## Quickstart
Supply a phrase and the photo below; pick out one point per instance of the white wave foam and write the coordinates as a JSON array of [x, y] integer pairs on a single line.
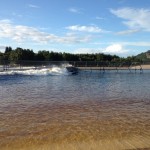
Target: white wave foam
[[43, 71]]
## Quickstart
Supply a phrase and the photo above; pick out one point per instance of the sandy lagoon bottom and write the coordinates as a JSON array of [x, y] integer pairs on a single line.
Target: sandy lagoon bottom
[[88, 125]]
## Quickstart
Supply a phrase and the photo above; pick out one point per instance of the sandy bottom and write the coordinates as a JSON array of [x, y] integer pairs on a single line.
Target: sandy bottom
[[131, 143], [81, 126]]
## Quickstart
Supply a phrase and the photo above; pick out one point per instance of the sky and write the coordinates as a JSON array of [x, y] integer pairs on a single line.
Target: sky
[[120, 27]]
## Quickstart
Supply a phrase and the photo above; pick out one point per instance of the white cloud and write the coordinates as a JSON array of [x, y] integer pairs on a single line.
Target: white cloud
[[20, 33], [86, 51], [75, 10], [33, 6], [115, 49], [92, 29], [137, 19], [127, 32]]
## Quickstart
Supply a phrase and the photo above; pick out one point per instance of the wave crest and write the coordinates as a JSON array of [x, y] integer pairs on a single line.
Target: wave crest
[[37, 71]]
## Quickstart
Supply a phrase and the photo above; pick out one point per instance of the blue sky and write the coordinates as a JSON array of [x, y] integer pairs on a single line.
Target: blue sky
[[120, 27]]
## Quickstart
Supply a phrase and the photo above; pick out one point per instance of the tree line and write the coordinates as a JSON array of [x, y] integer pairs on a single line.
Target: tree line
[[20, 54]]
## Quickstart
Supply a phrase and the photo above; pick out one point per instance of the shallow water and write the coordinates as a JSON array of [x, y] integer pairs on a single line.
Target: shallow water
[[85, 111]]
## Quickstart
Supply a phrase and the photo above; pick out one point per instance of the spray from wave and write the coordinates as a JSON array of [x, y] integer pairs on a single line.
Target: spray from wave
[[37, 71]]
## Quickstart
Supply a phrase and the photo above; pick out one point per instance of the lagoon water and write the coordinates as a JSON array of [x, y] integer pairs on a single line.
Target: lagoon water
[[91, 110]]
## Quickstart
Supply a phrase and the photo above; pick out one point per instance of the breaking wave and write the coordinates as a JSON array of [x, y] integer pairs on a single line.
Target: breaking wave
[[55, 70]]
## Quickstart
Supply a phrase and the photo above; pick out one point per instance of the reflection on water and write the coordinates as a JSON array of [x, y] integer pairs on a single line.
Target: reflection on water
[[86, 111]]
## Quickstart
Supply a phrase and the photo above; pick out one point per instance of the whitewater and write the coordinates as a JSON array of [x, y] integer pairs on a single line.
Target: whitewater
[[54, 70]]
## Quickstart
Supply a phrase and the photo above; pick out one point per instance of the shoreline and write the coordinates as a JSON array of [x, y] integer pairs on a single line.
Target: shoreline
[[143, 67], [101, 68]]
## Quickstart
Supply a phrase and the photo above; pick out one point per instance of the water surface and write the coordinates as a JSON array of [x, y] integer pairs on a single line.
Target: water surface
[[85, 111]]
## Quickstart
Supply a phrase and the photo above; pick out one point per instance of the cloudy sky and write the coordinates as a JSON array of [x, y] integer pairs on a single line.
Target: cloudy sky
[[120, 27]]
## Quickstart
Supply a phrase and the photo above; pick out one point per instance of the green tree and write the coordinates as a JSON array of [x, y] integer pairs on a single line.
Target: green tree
[[8, 49]]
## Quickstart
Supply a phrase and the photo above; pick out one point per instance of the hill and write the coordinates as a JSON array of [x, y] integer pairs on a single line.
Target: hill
[[145, 56]]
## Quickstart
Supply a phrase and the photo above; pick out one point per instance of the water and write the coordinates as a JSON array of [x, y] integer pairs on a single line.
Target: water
[[55, 110]]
